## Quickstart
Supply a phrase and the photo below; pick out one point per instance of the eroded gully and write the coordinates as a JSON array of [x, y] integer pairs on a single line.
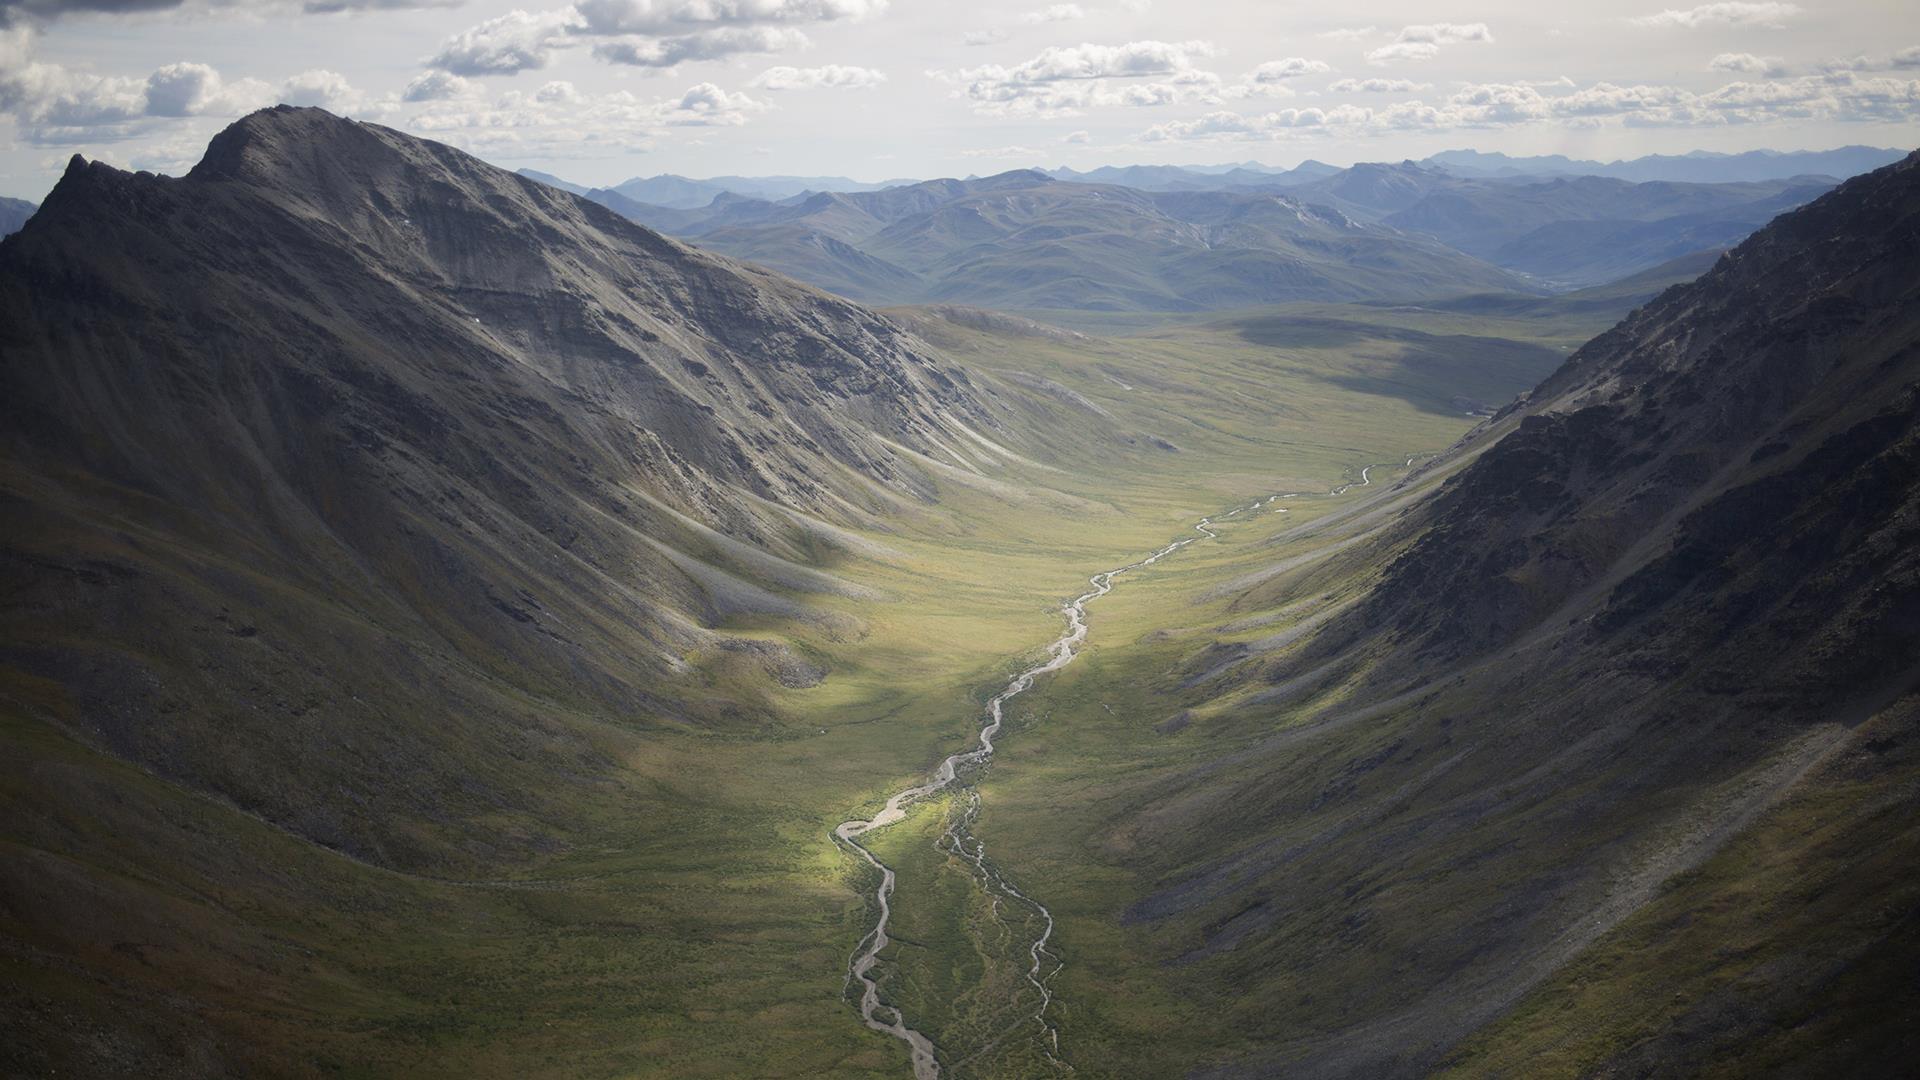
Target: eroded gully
[[1045, 964]]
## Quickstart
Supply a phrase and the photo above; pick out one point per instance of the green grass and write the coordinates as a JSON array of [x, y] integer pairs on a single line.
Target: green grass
[[695, 918]]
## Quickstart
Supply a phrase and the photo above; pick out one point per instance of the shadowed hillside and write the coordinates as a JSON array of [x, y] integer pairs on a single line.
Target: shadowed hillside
[[1585, 749], [352, 424]]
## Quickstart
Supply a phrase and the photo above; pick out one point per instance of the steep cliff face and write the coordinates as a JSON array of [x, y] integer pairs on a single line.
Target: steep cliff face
[[324, 457]]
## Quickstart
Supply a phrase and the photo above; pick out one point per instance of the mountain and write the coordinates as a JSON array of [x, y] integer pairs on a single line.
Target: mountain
[[1024, 241], [553, 181], [354, 424], [682, 193], [1700, 166], [1592, 746], [1192, 178], [13, 214], [1589, 230], [1561, 232]]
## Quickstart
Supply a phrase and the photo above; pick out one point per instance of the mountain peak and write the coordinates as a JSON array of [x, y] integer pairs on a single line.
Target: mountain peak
[[268, 140]]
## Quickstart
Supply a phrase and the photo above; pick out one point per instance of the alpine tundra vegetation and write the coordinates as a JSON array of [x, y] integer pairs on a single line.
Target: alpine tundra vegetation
[[497, 584]]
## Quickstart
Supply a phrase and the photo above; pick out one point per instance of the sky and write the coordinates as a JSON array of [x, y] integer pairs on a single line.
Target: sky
[[599, 91]]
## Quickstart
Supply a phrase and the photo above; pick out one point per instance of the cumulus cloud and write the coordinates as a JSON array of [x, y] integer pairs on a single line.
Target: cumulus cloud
[[1446, 33], [326, 89], [46, 11], [506, 45], [1837, 96], [1065, 79], [832, 75], [55, 106], [1423, 41], [706, 105], [1077, 138], [668, 17], [666, 52], [1270, 79], [1376, 86], [641, 33], [1293, 67], [1907, 58], [438, 85], [983, 37], [1748, 63], [558, 121], [1055, 13], [1727, 13], [1132, 60], [188, 89]]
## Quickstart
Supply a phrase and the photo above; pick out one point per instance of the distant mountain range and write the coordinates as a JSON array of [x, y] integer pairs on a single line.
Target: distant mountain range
[[1024, 241], [1167, 239], [13, 214], [682, 192], [1700, 167]]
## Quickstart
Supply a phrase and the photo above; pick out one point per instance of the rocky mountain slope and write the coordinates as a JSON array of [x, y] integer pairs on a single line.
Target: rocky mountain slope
[[345, 426], [1600, 758]]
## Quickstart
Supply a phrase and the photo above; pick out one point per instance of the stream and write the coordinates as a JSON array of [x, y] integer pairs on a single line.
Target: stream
[[959, 841]]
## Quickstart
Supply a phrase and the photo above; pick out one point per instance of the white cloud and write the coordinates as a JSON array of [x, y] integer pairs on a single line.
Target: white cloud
[[641, 33], [983, 37], [1376, 86], [53, 105], [558, 121], [706, 105], [1728, 13], [47, 11], [1002, 152], [1446, 33], [832, 75], [1055, 13], [515, 42], [1837, 96], [1908, 57], [1132, 60], [1270, 79], [1349, 33], [1748, 63], [326, 89], [1293, 67], [1423, 41], [178, 90], [666, 52], [1077, 138], [1063, 80], [661, 18], [438, 85]]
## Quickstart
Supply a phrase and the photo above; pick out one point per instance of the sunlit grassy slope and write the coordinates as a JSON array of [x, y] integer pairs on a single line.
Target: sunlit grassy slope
[[694, 918]]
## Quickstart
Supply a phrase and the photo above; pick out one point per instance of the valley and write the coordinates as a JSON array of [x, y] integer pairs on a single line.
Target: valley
[[516, 643]]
